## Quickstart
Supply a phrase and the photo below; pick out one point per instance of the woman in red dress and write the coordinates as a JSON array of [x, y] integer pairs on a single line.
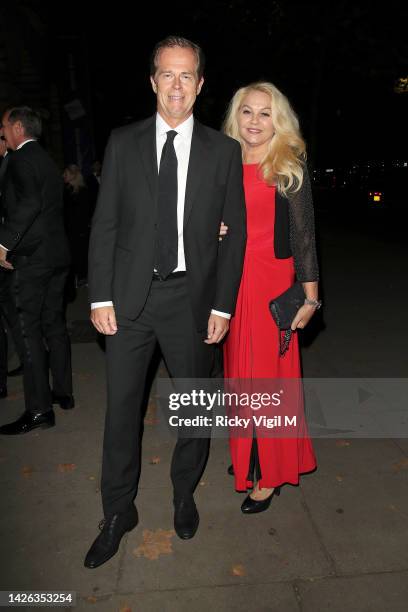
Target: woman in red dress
[[280, 249]]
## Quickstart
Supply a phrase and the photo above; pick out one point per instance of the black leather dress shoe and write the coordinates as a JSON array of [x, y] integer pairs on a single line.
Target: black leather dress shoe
[[16, 372], [27, 422], [3, 392], [112, 531], [252, 506], [66, 402], [231, 470], [186, 518]]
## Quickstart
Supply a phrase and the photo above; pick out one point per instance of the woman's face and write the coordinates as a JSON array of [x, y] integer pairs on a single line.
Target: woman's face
[[255, 120]]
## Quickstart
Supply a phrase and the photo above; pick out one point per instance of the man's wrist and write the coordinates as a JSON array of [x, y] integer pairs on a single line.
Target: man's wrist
[[100, 304], [226, 315]]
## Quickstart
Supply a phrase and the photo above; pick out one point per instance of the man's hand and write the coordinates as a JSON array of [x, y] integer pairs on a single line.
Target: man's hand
[[217, 328], [3, 262], [223, 230], [104, 320]]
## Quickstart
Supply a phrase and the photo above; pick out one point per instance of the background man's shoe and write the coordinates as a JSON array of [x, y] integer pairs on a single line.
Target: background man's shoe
[[186, 518], [16, 372], [112, 531], [29, 421], [3, 392], [66, 402]]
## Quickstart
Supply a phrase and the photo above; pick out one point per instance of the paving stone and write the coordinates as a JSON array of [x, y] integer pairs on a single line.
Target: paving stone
[[277, 597], [362, 520], [45, 538], [268, 547], [386, 592]]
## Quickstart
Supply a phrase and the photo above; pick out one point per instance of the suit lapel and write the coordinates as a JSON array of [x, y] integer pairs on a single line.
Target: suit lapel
[[199, 157], [146, 141]]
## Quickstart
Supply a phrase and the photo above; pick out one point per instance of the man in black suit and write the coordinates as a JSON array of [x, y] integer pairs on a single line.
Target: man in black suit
[[8, 312], [3, 280], [157, 272], [33, 246]]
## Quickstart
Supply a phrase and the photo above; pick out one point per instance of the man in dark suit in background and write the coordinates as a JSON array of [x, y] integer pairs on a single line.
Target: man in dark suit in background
[[93, 182], [33, 246], [157, 272], [3, 285]]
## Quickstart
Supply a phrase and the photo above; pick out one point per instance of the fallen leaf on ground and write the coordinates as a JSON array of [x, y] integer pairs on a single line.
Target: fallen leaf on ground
[[91, 600], [125, 609], [342, 443], [155, 460], [27, 471], [339, 478], [66, 467], [155, 543], [401, 465], [238, 570]]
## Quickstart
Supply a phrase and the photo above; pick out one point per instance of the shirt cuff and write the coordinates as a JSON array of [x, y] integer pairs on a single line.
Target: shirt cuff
[[100, 304], [3, 247], [221, 314]]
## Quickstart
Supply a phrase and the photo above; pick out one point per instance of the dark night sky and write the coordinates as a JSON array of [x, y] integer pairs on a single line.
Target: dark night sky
[[337, 62]]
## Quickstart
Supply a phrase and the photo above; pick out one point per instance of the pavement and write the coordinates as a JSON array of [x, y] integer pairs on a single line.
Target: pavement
[[337, 542]]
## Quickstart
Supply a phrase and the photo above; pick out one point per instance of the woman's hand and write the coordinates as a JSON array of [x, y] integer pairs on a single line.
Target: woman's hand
[[223, 230], [303, 316]]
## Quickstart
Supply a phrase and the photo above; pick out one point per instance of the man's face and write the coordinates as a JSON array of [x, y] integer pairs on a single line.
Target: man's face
[[13, 132], [176, 84]]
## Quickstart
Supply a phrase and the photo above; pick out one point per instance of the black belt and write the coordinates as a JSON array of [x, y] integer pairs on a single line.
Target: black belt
[[156, 275]]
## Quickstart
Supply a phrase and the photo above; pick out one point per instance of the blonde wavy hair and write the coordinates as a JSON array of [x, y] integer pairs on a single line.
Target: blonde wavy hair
[[74, 177], [284, 160]]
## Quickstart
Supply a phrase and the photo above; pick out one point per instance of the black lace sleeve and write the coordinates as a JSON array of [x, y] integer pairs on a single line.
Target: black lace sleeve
[[302, 231]]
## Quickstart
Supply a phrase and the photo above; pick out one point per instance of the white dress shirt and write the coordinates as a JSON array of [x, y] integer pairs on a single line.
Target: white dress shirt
[[182, 146], [25, 142]]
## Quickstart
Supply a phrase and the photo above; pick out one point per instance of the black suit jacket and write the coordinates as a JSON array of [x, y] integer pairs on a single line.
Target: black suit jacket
[[33, 203], [3, 169], [122, 245]]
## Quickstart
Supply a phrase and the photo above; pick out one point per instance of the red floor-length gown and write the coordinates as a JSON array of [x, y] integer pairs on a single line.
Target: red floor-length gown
[[251, 349]]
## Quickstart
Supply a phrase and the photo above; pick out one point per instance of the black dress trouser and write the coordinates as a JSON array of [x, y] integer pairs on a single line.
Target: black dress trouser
[[167, 318], [8, 321], [38, 293]]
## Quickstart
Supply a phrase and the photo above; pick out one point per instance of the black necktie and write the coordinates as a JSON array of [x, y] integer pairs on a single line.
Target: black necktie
[[167, 234]]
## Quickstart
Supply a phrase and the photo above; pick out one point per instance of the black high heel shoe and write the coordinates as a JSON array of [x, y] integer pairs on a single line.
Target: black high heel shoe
[[252, 506], [231, 470]]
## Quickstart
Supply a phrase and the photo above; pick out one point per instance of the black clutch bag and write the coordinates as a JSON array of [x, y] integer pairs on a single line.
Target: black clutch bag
[[283, 310]]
